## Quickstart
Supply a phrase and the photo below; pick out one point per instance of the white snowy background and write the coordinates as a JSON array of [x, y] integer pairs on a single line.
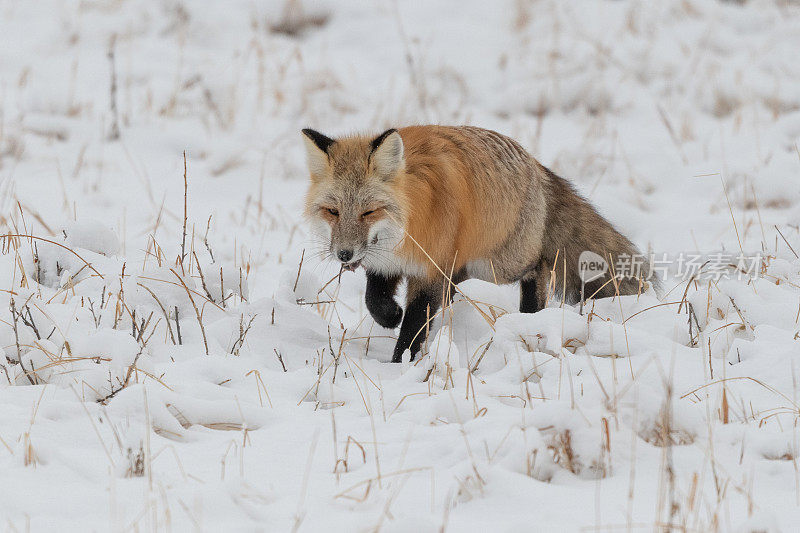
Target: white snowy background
[[679, 119]]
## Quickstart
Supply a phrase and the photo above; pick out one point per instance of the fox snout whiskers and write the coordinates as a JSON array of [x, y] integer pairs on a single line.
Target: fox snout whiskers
[[349, 257], [345, 256]]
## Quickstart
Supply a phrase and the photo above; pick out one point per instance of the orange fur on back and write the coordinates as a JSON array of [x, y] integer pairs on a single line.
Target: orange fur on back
[[454, 212]]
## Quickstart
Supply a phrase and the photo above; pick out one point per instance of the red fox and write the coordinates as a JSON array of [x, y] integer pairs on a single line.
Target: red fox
[[437, 205]]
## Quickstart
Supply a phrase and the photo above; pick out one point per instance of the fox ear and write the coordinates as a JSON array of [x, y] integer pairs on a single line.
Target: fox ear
[[317, 146], [388, 154]]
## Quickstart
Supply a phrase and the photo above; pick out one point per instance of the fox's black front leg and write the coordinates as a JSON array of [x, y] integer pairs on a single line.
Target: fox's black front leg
[[380, 299], [423, 300], [528, 298]]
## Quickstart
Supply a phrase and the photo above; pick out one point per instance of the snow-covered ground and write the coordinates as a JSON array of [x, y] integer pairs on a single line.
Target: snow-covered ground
[[246, 388]]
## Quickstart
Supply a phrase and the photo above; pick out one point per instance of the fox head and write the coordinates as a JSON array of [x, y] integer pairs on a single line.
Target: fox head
[[352, 202]]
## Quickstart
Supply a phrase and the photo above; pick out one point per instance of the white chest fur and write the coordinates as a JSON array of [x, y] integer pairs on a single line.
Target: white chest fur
[[381, 256]]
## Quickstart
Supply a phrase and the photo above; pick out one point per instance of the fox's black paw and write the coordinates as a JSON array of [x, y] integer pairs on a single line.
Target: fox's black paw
[[397, 357], [386, 312]]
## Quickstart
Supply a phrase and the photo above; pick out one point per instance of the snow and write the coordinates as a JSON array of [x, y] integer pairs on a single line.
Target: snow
[[679, 119], [91, 235]]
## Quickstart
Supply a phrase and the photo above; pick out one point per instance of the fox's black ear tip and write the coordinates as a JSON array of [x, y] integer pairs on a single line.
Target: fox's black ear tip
[[377, 141], [322, 142]]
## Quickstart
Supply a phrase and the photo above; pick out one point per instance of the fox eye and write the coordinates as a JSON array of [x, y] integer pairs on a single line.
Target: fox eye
[[367, 213], [332, 211]]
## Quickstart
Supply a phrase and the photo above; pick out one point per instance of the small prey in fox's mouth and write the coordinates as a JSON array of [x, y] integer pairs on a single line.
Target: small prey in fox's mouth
[[351, 266]]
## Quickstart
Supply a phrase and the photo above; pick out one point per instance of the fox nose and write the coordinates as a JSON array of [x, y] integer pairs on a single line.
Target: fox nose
[[345, 255]]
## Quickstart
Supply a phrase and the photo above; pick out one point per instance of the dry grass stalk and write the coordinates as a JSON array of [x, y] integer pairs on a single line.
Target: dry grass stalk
[[260, 386], [203, 278], [163, 310], [104, 400], [196, 310], [185, 211], [243, 330], [114, 133]]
